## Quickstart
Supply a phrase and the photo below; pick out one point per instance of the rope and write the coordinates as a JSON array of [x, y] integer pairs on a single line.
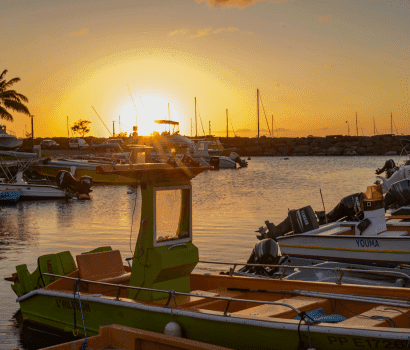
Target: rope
[[76, 330]]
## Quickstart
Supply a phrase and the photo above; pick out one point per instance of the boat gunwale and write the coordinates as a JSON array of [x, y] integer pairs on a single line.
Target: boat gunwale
[[275, 323]]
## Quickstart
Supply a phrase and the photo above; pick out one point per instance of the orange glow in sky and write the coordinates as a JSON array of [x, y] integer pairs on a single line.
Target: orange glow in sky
[[315, 63]]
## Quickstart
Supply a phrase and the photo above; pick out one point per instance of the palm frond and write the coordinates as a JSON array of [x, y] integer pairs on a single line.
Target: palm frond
[[12, 95], [11, 82], [5, 115], [3, 74], [16, 106]]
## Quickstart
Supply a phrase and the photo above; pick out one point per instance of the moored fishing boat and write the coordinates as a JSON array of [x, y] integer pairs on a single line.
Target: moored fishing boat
[[159, 287]]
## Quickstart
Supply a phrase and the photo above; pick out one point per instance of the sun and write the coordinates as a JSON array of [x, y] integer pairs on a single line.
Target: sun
[[143, 114]]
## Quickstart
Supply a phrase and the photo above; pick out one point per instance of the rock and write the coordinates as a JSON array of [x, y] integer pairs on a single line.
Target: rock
[[366, 144], [349, 152], [361, 150], [302, 149], [334, 151]]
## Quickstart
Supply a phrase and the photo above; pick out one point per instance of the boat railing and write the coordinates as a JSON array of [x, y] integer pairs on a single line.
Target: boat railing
[[339, 270], [172, 294], [391, 301]]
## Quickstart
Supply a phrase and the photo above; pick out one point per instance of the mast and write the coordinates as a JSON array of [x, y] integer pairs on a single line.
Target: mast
[[272, 125], [119, 123], [357, 130], [227, 127], [68, 129], [374, 126], [169, 118], [196, 122], [191, 127], [391, 123], [113, 129], [257, 104], [209, 128]]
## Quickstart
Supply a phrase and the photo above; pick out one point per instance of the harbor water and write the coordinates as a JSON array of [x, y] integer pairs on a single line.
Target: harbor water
[[228, 206]]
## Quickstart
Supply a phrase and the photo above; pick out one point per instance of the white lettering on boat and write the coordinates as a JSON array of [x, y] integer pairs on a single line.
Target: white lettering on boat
[[367, 243]]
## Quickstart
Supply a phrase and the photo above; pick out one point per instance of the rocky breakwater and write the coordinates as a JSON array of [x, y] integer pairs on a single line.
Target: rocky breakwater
[[316, 146]]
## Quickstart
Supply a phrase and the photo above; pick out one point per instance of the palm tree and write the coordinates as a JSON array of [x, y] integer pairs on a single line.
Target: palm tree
[[10, 99]]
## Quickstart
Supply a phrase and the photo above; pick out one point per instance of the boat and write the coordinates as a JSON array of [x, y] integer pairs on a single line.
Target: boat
[[31, 190], [87, 167], [372, 239], [120, 337], [7, 141], [157, 286], [79, 168], [9, 196]]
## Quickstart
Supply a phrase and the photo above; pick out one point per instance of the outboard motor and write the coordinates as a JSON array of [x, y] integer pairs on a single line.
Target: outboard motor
[[300, 221], [398, 195], [349, 207], [265, 252], [389, 167], [66, 181], [235, 156], [214, 161]]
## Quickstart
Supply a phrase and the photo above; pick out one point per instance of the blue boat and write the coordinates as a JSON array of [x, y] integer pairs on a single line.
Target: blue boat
[[9, 196]]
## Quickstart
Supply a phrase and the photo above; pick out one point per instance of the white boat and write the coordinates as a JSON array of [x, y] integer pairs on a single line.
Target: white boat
[[7, 141], [371, 240], [33, 191]]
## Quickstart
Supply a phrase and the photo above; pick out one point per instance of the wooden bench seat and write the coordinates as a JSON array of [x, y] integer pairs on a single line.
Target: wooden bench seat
[[103, 267], [300, 302], [364, 318]]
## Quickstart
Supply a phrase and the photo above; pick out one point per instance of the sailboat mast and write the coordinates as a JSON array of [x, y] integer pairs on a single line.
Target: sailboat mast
[[227, 127], [196, 122], [357, 129], [68, 129], [391, 123], [257, 104]]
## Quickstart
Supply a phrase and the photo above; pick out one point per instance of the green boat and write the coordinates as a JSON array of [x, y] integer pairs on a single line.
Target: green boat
[[157, 288]]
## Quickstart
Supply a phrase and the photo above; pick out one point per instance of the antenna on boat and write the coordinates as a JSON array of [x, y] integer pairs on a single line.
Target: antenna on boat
[[136, 117], [323, 202]]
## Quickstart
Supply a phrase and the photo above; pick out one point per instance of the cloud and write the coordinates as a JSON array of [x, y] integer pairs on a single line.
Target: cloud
[[229, 29], [202, 32], [328, 66], [324, 19], [179, 31], [230, 3], [82, 31]]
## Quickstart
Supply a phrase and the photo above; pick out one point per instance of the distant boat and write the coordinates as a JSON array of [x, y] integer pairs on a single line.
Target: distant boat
[[7, 141], [9, 196]]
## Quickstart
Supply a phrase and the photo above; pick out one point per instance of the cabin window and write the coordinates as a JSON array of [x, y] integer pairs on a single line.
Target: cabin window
[[172, 215]]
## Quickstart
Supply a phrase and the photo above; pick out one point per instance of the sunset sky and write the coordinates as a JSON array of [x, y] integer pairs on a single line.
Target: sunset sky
[[316, 64]]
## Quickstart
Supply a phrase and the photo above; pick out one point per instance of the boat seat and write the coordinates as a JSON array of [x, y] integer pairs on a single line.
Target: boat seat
[[393, 233], [364, 320], [268, 310], [102, 267]]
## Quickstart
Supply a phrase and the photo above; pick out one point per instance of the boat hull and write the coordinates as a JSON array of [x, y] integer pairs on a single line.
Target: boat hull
[[347, 248], [52, 171], [55, 309], [30, 191]]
